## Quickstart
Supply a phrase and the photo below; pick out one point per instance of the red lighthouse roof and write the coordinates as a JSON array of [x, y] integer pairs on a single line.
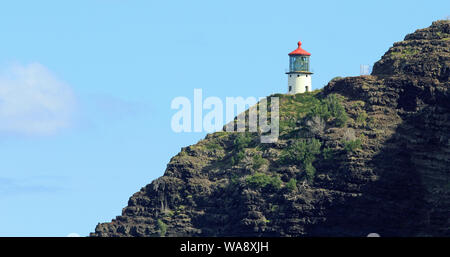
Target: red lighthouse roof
[[299, 50]]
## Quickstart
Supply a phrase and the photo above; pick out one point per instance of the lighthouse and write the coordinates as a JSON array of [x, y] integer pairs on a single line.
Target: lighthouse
[[299, 76]]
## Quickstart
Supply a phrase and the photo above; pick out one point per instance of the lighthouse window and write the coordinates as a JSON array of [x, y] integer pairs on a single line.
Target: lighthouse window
[[299, 63], [290, 88]]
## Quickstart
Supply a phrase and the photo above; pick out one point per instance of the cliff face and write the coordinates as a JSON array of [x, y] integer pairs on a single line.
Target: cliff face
[[365, 154]]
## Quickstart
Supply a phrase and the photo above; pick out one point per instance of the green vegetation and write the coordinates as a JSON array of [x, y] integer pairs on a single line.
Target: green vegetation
[[405, 52], [295, 107], [330, 107], [235, 159], [258, 161], [336, 109], [410, 51], [287, 124], [221, 134], [362, 118], [234, 179], [358, 104], [303, 152], [320, 110], [162, 228], [310, 171], [292, 185], [212, 145], [261, 180], [443, 35], [352, 145], [241, 142]]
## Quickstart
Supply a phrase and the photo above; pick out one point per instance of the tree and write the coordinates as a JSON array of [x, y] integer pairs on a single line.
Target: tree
[[292, 185]]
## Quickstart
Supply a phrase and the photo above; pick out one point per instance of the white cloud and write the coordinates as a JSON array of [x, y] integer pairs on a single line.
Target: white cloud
[[33, 101], [73, 235]]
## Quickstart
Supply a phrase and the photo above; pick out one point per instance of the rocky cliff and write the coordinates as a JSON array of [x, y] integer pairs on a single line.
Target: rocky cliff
[[365, 154]]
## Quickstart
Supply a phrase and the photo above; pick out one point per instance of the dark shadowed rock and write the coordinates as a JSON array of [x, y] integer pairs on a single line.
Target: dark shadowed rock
[[424, 53]]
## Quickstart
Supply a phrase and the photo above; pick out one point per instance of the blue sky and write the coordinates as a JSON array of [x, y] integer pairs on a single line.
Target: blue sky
[[86, 87]]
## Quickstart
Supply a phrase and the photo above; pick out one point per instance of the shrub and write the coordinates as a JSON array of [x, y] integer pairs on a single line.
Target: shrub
[[328, 108], [310, 171], [320, 110], [292, 184], [352, 145], [275, 183], [287, 125], [336, 109], [261, 180], [302, 151], [258, 161], [242, 141], [341, 119], [235, 159], [162, 227]]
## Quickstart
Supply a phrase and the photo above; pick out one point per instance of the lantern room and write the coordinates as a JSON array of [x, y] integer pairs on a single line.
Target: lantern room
[[298, 63], [299, 76], [299, 59]]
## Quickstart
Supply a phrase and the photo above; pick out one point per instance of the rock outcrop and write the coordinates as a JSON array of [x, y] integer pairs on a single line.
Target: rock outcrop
[[365, 154]]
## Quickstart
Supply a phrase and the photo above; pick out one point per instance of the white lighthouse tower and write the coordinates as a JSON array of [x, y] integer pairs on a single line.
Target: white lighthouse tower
[[299, 76]]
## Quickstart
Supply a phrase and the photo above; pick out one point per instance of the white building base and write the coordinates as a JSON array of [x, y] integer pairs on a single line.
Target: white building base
[[299, 82]]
